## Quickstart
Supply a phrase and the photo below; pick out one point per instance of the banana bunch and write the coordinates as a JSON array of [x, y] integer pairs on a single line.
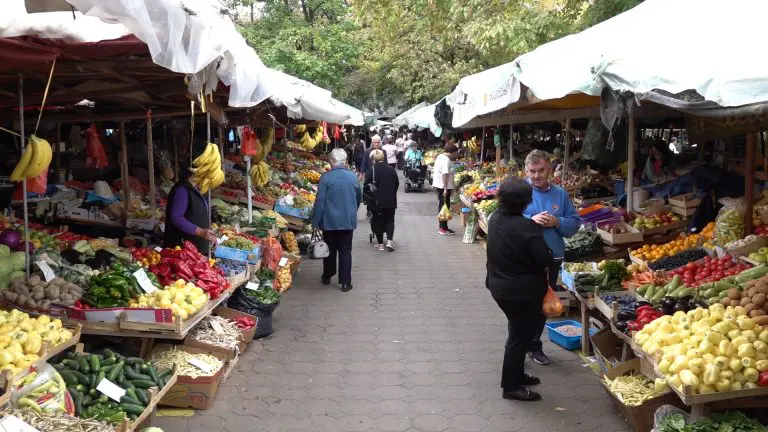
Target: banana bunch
[[266, 145], [473, 145], [207, 172], [319, 136], [259, 174], [35, 159]]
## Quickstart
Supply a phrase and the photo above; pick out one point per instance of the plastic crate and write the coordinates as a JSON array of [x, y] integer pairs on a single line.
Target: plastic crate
[[568, 342], [238, 255], [301, 213]]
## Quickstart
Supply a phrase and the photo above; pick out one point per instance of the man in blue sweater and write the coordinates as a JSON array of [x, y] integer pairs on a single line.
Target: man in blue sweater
[[553, 210], [335, 213]]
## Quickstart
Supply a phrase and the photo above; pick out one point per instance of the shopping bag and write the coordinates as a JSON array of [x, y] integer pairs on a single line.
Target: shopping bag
[[318, 248], [96, 157], [445, 214], [250, 142], [551, 306]]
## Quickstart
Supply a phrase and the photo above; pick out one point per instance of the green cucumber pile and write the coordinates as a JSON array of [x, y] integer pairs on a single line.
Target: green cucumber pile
[[83, 372]]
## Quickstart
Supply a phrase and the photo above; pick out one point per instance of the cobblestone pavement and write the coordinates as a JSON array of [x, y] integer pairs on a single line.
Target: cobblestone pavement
[[417, 345]]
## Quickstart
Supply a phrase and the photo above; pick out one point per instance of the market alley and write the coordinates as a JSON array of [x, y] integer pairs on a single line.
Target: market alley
[[417, 345]]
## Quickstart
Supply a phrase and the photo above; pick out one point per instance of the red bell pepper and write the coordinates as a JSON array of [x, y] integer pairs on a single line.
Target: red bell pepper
[[762, 380]]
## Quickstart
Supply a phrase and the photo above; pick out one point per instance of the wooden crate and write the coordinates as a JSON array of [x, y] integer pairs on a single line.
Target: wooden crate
[[747, 249], [682, 211], [631, 236], [609, 311], [665, 228], [685, 201]]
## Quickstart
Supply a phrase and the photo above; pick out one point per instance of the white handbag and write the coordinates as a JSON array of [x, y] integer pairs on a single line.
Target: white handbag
[[318, 248]]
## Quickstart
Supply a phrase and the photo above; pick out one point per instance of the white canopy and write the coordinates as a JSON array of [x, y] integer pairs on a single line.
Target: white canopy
[[421, 116], [401, 120], [305, 100], [710, 55]]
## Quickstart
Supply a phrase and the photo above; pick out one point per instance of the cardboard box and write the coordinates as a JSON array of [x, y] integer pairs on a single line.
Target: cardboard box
[[230, 313], [189, 392], [640, 417], [608, 349], [631, 236]]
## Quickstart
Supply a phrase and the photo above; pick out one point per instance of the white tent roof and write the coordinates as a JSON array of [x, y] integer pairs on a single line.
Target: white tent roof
[[421, 116], [305, 100], [709, 55], [401, 120]]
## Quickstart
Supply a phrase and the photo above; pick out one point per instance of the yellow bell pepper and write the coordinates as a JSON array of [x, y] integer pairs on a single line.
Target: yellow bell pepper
[[704, 389], [751, 374], [750, 335], [5, 358], [722, 385], [761, 365], [727, 374], [733, 334], [714, 337], [680, 363], [706, 347], [739, 377], [763, 336], [736, 386], [725, 348], [746, 323], [748, 362], [722, 362], [746, 350], [33, 344], [739, 341], [688, 378], [711, 374], [735, 365], [750, 386], [675, 382], [760, 346]]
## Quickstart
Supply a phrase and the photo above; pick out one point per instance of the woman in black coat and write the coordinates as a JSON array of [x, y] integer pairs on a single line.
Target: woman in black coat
[[517, 257], [385, 181]]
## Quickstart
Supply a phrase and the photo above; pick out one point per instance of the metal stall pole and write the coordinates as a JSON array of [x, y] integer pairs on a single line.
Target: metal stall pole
[[208, 132], [24, 180], [151, 163], [630, 160], [567, 152]]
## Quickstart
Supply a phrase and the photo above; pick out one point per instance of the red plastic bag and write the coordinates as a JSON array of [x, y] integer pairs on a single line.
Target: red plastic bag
[[251, 144], [271, 252], [551, 306], [96, 157], [36, 185]]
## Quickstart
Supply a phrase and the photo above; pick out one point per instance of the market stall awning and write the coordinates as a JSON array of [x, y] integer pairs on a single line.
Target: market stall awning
[[304, 100], [196, 38], [401, 120], [421, 116]]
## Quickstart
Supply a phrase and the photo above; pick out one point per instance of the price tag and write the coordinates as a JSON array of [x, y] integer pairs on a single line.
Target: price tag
[[144, 282], [252, 286], [48, 273], [223, 239], [201, 364], [112, 390], [158, 248], [283, 262], [14, 424]]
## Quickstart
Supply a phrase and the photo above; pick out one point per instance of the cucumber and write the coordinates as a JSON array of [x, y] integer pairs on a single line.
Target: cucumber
[[109, 361], [71, 364], [132, 408], [92, 381], [134, 360], [649, 293], [131, 393], [153, 375], [127, 385], [100, 376], [69, 377], [92, 392], [129, 400], [81, 388], [93, 362], [131, 375], [164, 373], [143, 384], [77, 398], [106, 369], [114, 372], [81, 377], [84, 368], [108, 353], [141, 395]]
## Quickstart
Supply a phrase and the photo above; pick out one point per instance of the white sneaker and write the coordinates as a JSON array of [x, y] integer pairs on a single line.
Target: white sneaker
[[390, 246], [378, 247]]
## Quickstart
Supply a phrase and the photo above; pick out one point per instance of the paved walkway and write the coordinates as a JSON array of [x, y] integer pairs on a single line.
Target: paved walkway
[[416, 346]]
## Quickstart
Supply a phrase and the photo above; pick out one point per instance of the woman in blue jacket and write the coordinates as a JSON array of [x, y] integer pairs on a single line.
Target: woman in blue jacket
[[335, 213]]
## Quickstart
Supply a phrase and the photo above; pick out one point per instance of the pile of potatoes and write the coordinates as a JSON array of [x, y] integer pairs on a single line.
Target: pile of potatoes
[[36, 295], [754, 299]]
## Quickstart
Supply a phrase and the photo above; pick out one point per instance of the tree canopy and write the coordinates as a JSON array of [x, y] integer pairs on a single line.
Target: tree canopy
[[377, 54]]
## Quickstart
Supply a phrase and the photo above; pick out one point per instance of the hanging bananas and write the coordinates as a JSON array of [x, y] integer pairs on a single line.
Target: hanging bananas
[[35, 159], [259, 174], [207, 172], [266, 145], [473, 145]]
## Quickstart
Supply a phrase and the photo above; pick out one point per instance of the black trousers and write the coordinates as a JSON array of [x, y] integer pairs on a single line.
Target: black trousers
[[521, 322], [383, 220], [443, 199], [541, 321], [339, 242]]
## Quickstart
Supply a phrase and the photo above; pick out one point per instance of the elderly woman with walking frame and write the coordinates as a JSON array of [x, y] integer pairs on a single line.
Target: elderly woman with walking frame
[[335, 213]]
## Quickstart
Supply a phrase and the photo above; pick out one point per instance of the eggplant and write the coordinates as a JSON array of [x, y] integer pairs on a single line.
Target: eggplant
[[621, 326], [667, 301], [642, 303], [668, 310], [700, 303], [686, 299], [625, 315]]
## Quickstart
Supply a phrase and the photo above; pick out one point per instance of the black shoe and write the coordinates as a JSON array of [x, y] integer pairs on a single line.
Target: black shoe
[[530, 380], [346, 287], [521, 394], [539, 357], [326, 281]]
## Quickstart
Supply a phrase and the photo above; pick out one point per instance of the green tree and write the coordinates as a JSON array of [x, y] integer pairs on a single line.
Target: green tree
[[601, 10], [311, 39]]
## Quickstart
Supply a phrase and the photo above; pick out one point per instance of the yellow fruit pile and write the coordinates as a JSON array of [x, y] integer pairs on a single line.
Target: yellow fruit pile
[[184, 299], [709, 350], [473, 145], [289, 240], [306, 141], [259, 172], [653, 252], [35, 159], [207, 172], [310, 176], [22, 337]]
